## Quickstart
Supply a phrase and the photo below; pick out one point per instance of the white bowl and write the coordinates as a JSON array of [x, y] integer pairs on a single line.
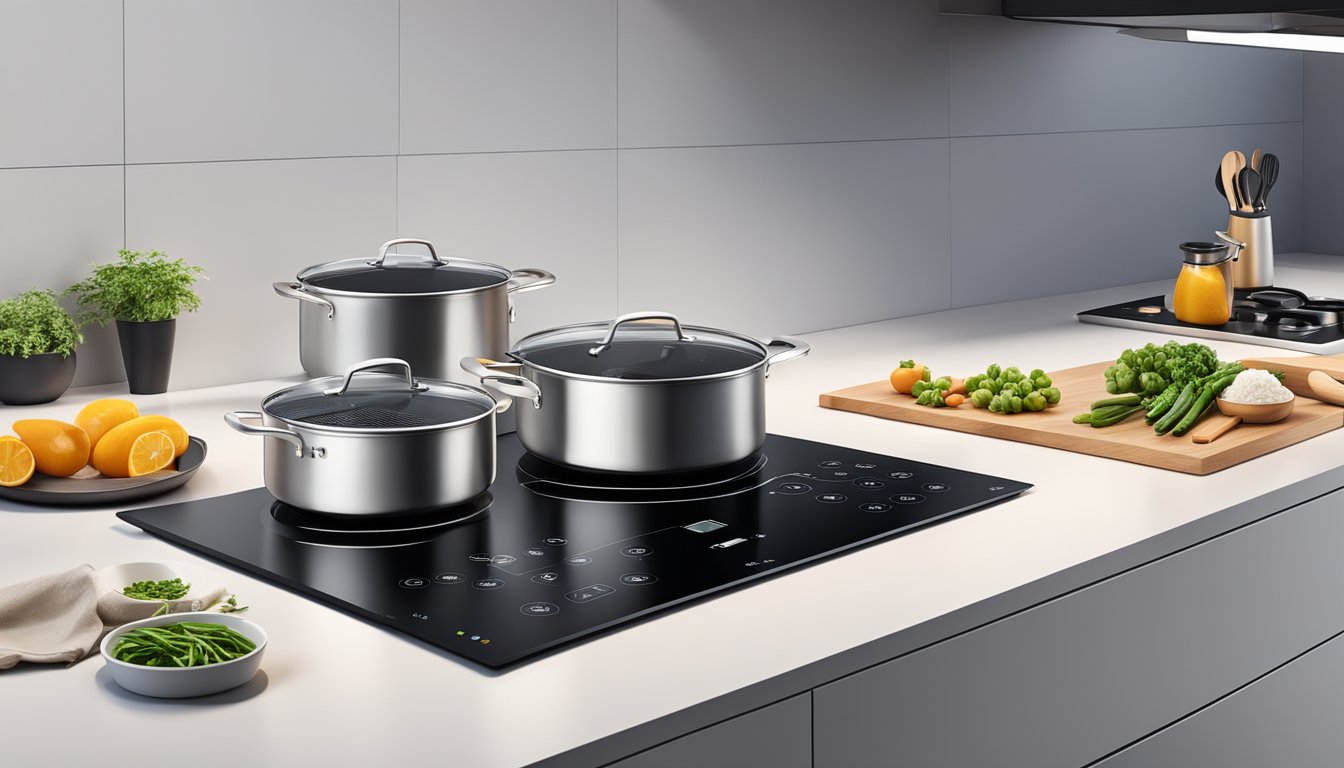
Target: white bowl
[[117, 577], [184, 682]]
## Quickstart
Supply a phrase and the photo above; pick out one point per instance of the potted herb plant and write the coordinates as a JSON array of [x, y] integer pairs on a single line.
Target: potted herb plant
[[144, 293], [37, 348]]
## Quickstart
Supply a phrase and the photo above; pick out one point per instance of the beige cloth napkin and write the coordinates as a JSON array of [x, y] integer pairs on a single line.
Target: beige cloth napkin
[[49, 619], [61, 617]]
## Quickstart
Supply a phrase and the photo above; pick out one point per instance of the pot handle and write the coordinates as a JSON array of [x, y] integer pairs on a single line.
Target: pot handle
[[376, 362], [796, 348], [382, 252], [524, 280], [235, 420], [513, 386], [636, 316], [295, 291]]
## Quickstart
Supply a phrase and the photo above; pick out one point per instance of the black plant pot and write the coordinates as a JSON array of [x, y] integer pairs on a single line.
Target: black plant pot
[[147, 353], [36, 379]]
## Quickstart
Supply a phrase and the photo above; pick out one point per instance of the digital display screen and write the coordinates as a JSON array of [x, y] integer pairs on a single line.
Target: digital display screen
[[705, 526]]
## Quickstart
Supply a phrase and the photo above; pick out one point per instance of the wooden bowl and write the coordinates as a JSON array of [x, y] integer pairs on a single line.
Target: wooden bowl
[[1258, 413]]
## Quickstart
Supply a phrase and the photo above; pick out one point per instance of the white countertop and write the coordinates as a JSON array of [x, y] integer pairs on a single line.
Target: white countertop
[[342, 691]]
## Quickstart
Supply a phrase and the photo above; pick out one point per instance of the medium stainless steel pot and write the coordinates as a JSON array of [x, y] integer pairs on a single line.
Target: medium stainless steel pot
[[427, 311], [640, 394], [375, 443]]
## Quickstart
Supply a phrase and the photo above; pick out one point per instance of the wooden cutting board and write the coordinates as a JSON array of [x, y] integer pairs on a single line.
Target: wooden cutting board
[[1295, 369], [1131, 440]]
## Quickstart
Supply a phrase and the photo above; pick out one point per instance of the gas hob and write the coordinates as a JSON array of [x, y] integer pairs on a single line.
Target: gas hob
[[1272, 317], [549, 556]]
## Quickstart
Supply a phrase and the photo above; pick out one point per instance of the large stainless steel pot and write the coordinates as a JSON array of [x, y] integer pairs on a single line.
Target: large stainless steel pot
[[641, 393], [371, 443], [427, 311]]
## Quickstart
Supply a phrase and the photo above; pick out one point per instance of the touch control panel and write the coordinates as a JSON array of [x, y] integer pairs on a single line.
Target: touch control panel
[[535, 572]]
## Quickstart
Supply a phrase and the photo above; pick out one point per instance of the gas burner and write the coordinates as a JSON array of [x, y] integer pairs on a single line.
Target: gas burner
[[320, 529], [549, 479]]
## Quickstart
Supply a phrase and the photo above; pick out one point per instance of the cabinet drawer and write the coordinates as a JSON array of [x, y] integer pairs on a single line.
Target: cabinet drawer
[[779, 736], [1078, 677], [1288, 719]]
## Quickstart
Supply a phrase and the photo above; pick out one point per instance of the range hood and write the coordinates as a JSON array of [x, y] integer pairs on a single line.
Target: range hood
[[1317, 26]]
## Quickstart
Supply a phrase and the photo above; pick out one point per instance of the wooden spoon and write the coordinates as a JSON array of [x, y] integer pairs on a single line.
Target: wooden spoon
[[1230, 168], [1325, 388], [1214, 427]]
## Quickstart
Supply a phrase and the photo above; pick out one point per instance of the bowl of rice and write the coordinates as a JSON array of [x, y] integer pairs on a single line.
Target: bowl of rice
[[1257, 397]]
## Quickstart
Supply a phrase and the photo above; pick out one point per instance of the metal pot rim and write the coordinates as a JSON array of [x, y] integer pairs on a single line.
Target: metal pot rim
[[323, 429], [312, 270]]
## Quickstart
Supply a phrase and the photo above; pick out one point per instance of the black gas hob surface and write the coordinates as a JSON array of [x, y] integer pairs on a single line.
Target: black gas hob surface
[[548, 556]]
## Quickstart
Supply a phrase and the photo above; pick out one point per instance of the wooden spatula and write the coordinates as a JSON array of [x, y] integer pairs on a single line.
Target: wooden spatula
[[1214, 427], [1232, 164]]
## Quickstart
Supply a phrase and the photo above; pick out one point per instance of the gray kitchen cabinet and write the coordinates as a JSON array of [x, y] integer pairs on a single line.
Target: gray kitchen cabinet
[[779, 736], [1287, 719], [1078, 677]]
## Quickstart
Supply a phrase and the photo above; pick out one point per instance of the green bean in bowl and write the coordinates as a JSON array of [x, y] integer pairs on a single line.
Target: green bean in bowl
[[184, 654]]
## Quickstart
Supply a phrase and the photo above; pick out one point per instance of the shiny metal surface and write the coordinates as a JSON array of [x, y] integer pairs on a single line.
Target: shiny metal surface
[[358, 472], [640, 426], [1254, 267], [431, 331], [622, 426], [636, 316]]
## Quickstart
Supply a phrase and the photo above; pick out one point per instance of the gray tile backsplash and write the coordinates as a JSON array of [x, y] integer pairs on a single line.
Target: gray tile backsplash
[[259, 79], [709, 72], [775, 166], [787, 238]]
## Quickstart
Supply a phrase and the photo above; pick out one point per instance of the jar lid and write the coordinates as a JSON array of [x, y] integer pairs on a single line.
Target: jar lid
[[1205, 254]]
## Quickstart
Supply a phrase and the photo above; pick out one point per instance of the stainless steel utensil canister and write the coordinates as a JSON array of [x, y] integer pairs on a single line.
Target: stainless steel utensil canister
[[1254, 268]]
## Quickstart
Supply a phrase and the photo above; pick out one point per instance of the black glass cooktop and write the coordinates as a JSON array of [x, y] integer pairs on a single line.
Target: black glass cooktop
[[550, 556]]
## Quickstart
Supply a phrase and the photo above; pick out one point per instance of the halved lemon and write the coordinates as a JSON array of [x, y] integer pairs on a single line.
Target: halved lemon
[[150, 452], [16, 462], [112, 453]]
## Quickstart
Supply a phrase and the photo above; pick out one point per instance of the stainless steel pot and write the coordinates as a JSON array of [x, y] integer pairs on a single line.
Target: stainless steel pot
[[640, 394], [375, 443], [427, 311]]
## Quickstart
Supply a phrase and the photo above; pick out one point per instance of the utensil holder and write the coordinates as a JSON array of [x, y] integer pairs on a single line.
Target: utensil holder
[[1254, 268]]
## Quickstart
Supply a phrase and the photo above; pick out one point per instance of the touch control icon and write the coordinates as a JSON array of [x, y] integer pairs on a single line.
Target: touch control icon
[[540, 609], [937, 487], [554, 541], [793, 489], [901, 475], [579, 560], [415, 582], [869, 483], [535, 552], [638, 579], [636, 551], [450, 578], [549, 577], [488, 583], [831, 498], [875, 506], [909, 498], [589, 593]]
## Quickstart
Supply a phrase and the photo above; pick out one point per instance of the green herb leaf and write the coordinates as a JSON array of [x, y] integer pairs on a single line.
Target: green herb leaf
[[141, 287], [33, 323]]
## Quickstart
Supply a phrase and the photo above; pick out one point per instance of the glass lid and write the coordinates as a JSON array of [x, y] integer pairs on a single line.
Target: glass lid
[[424, 274], [644, 346], [378, 402]]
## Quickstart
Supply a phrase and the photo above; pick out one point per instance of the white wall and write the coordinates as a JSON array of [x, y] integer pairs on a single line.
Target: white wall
[[774, 166]]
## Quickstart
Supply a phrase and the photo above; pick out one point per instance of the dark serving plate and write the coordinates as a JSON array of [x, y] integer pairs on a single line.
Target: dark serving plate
[[93, 488]]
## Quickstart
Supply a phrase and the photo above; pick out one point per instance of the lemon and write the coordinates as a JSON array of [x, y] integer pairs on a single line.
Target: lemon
[[150, 452], [112, 455], [98, 417], [16, 462], [60, 449]]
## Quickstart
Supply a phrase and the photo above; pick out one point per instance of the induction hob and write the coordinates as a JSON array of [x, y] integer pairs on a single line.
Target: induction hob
[[549, 556]]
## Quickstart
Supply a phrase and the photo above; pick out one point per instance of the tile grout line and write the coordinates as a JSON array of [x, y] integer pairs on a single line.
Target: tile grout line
[[125, 203], [624, 149], [396, 163]]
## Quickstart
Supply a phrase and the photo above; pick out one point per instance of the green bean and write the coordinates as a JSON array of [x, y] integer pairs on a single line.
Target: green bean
[[185, 644]]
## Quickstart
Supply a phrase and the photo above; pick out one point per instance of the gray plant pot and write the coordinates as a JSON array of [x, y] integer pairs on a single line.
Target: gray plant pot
[[147, 353], [36, 379]]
